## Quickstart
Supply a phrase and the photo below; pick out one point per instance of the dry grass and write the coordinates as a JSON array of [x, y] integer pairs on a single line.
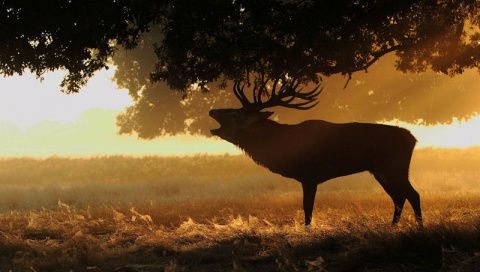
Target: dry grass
[[225, 213]]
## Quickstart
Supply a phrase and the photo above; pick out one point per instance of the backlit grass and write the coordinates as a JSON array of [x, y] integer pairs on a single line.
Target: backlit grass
[[225, 213]]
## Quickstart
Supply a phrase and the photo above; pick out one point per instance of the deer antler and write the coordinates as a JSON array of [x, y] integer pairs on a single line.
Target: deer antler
[[288, 91]]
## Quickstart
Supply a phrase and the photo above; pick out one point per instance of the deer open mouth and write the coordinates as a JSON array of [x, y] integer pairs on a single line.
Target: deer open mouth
[[213, 115], [214, 131]]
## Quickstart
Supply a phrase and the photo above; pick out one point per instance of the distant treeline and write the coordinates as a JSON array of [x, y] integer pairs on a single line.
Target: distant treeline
[[126, 169], [446, 159], [123, 181], [120, 169]]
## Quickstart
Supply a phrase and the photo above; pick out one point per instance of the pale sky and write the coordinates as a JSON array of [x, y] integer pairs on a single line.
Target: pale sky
[[26, 101], [36, 119]]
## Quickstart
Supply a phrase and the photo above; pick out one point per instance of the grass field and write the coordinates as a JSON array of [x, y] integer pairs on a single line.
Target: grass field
[[224, 213]]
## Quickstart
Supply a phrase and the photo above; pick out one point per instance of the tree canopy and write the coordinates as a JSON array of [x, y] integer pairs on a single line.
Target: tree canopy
[[192, 48]]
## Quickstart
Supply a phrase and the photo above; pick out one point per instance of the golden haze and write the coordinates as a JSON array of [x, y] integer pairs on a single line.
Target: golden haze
[[37, 120]]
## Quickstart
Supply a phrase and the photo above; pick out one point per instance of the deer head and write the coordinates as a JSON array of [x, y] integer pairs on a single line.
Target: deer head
[[283, 91]]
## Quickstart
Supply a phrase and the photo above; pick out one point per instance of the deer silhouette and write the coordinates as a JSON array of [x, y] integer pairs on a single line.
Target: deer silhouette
[[315, 151]]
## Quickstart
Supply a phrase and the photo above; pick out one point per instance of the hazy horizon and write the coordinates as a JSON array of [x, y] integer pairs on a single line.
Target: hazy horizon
[[95, 133], [37, 120]]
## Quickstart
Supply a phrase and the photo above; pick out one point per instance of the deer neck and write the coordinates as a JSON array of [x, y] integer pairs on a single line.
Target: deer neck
[[259, 138]]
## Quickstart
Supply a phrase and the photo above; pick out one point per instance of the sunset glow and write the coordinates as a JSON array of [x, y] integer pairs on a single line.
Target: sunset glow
[[26, 101], [458, 134], [36, 119]]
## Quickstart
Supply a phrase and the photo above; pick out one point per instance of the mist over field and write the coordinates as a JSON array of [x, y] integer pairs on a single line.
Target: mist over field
[[30, 183], [227, 213]]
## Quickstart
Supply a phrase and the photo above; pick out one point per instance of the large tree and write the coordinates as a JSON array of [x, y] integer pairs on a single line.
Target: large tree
[[194, 47], [79, 36]]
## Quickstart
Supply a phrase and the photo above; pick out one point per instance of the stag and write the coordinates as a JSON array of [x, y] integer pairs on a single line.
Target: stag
[[315, 151]]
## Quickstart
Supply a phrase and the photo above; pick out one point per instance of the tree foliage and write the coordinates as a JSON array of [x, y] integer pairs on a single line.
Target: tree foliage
[[79, 36], [195, 48], [228, 40]]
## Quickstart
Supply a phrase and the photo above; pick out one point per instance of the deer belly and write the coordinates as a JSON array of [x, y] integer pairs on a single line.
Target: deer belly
[[323, 172]]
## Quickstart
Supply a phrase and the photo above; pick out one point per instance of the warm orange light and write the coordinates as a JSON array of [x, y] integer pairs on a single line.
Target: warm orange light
[[38, 120], [458, 134], [25, 101]]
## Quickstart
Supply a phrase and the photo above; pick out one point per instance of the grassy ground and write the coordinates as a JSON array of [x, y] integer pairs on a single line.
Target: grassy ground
[[225, 213]]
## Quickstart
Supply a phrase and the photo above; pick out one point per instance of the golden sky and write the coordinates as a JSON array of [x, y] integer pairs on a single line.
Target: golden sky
[[36, 119]]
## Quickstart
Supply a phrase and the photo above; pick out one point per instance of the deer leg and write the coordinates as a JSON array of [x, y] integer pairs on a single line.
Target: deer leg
[[309, 191], [406, 190], [399, 202], [414, 199], [397, 198]]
